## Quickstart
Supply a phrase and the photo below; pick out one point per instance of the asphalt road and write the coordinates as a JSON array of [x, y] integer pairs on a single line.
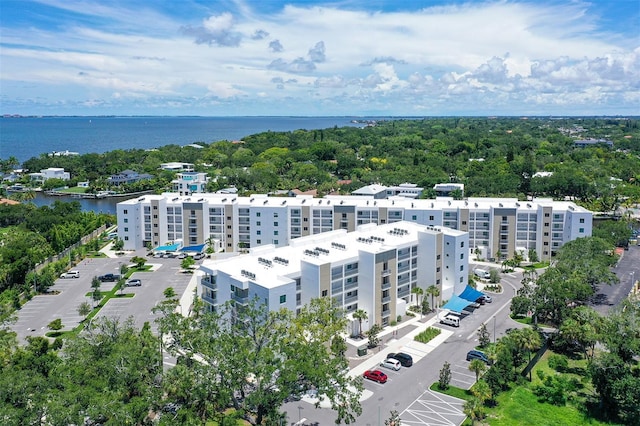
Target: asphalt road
[[407, 390], [627, 270]]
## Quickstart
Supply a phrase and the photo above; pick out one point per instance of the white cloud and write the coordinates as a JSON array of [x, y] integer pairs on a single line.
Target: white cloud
[[506, 55]]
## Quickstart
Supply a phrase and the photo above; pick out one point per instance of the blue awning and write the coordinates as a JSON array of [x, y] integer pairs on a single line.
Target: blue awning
[[456, 304], [471, 294], [168, 247], [197, 248]]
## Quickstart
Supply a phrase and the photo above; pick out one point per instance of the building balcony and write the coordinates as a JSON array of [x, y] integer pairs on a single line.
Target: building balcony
[[386, 299], [349, 286], [209, 300], [385, 286], [386, 272], [350, 299], [386, 313], [243, 300], [210, 284]]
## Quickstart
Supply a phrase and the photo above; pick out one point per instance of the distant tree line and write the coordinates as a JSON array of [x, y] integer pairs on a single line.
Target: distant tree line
[[492, 157]]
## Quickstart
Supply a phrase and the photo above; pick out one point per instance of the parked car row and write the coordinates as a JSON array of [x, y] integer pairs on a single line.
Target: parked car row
[[394, 361], [176, 255]]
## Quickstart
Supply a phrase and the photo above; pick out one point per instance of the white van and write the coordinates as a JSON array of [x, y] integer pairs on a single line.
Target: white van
[[451, 320], [70, 274], [482, 273]]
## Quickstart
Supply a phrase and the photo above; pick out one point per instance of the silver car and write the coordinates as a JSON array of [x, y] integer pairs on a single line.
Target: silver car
[[391, 364], [133, 283]]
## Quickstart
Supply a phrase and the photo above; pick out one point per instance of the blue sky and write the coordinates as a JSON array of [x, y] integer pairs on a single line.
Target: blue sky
[[350, 57]]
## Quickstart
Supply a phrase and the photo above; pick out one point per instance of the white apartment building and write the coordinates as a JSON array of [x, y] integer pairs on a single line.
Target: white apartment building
[[188, 183], [373, 268], [497, 227]]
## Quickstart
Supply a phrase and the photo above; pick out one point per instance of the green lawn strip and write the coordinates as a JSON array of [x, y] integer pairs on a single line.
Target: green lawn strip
[[454, 391], [427, 335]]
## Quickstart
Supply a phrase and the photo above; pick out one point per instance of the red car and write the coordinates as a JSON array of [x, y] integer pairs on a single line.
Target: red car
[[376, 376]]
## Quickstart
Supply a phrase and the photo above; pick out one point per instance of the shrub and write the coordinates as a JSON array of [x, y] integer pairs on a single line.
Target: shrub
[[445, 376], [427, 335], [559, 363]]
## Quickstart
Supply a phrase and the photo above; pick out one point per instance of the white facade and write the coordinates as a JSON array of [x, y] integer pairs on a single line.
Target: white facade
[[373, 268], [51, 173], [497, 227], [188, 183], [177, 167]]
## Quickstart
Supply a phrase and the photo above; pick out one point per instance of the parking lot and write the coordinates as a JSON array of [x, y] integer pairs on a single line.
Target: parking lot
[[66, 295]]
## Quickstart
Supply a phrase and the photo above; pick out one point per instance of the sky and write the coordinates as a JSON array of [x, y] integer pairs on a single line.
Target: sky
[[312, 58]]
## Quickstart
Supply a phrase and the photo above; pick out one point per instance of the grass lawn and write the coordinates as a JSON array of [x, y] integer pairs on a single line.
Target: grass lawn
[[73, 190], [520, 406]]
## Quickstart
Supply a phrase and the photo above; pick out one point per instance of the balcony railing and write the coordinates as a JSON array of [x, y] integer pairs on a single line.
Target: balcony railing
[[240, 299], [385, 286], [209, 300], [210, 284], [385, 272]]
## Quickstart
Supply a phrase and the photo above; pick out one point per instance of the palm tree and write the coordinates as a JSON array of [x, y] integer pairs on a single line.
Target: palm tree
[[360, 315], [527, 339], [418, 292], [481, 390], [434, 292], [478, 367]]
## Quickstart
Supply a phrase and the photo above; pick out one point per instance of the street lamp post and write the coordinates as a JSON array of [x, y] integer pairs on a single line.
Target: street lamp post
[[494, 329]]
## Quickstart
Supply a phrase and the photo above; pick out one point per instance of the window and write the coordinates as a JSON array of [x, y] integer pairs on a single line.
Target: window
[[283, 298], [546, 215], [126, 238], [464, 222], [581, 230], [259, 241], [581, 220], [155, 216], [275, 215], [461, 256], [275, 242], [431, 218], [258, 223], [155, 207], [462, 244], [344, 215], [126, 220], [258, 232], [325, 293], [275, 232], [461, 268], [275, 223], [461, 279], [414, 217], [126, 229], [258, 214], [125, 211]]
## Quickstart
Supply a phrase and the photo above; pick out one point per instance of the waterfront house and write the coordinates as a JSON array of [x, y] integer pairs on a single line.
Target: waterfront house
[[127, 176]]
